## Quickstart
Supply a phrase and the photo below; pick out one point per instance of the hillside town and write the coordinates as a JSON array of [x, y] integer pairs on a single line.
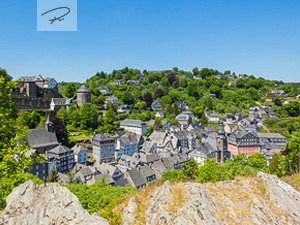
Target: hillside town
[[133, 157]]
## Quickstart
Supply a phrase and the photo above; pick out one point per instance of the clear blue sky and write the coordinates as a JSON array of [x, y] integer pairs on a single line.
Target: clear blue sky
[[256, 37]]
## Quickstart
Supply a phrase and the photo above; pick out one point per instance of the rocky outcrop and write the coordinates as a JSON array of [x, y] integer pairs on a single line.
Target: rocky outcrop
[[262, 200], [284, 196], [46, 204]]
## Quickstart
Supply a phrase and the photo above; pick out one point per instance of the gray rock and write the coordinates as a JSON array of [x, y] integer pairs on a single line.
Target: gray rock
[[281, 194], [31, 204], [240, 201], [128, 212], [156, 213], [200, 208]]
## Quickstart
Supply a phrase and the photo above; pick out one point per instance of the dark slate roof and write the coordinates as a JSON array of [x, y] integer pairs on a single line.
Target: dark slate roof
[[131, 138], [83, 89], [77, 148], [158, 168], [107, 178], [60, 149], [102, 88], [156, 104], [105, 168], [137, 178], [102, 137], [26, 79], [61, 101], [146, 171], [86, 171], [149, 158], [132, 122], [181, 104], [38, 138], [120, 133], [122, 181], [270, 135], [38, 78], [182, 117]]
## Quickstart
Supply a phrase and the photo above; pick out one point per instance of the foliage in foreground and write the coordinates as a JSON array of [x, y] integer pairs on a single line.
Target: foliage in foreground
[[101, 198], [7, 184], [13, 144], [214, 172]]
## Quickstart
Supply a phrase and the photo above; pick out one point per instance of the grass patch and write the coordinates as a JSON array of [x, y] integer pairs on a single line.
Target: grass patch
[[142, 201], [178, 198], [293, 180]]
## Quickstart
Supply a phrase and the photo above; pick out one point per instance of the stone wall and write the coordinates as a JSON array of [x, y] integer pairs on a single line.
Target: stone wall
[[31, 102]]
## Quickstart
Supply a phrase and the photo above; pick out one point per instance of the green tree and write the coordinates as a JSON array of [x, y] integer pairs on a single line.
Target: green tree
[[290, 159], [70, 90], [190, 169], [274, 165], [158, 121], [196, 71], [13, 142], [53, 176], [63, 114], [209, 104], [128, 98], [88, 116], [258, 161], [192, 89], [109, 117], [209, 172], [203, 121], [4, 74]]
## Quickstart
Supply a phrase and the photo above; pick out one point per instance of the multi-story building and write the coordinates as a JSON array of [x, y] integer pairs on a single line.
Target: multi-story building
[[61, 158], [129, 143], [103, 148], [273, 138], [135, 126], [243, 142]]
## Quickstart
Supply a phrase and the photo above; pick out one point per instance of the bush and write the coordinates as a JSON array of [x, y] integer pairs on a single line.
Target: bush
[[101, 198]]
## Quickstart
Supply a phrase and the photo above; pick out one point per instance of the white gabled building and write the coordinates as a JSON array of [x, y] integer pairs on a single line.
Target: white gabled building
[[80, 154], [50, 83], [135, 126]]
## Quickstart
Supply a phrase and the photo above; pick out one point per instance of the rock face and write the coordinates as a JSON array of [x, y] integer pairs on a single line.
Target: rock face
[[262, 200], [31, 204]]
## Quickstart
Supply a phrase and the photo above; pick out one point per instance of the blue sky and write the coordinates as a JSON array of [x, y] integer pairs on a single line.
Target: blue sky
[[256, 37]]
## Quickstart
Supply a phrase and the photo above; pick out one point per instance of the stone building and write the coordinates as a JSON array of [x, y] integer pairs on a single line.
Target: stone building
[[83, 96]]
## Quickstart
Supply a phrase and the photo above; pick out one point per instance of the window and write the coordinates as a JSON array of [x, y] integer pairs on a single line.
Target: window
[[37, 173], [37, 167], [44, 171]]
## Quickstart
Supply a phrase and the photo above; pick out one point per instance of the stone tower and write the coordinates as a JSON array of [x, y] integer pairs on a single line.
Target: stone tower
[[83, 96], [49, 125], [222, 143]]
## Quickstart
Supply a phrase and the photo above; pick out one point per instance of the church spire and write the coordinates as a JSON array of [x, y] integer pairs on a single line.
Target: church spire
[[49, 124]]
